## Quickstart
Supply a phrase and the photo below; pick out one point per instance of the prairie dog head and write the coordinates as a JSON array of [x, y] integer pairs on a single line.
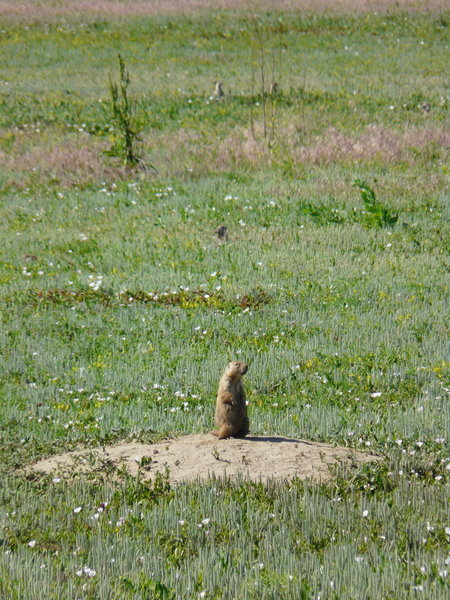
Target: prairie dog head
[[236, 369]]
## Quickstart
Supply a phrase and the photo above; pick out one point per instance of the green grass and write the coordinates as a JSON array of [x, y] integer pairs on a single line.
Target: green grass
[[120, 307]]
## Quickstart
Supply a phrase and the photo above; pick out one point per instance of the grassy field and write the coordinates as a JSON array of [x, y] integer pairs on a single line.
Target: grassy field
[[120, 307]]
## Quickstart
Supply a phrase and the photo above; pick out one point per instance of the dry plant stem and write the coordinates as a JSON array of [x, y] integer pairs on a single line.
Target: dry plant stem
[[302, 106], [267, 96], [262, 71], [272, 101], [253, 61]]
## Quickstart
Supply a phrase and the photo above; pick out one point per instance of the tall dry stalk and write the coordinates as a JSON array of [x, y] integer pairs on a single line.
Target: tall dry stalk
[[264, 92]]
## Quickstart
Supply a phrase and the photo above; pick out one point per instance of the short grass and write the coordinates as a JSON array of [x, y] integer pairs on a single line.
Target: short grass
[[120, 307]]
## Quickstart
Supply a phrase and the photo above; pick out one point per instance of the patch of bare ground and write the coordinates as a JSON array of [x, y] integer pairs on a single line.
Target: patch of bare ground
[[45, 10], [202, 456]]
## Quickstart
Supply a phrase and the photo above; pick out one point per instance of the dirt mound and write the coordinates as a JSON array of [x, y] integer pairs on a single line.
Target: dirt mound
[[201, 456]]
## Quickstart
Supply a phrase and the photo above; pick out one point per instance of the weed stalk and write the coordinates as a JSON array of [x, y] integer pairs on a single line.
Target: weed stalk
[[122, 114]]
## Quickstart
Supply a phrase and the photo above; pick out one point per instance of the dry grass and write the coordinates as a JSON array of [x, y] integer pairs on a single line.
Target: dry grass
[[81, 159], [44, 10], [376, 142], [68, 162], [239, 149]]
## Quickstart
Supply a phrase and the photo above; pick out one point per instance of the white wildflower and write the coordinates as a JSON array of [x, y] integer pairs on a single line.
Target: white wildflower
[[86, 571]]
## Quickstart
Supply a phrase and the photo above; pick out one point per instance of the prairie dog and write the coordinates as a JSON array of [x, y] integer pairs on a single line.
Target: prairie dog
[[222, 233], [218, 90], [231, 409]]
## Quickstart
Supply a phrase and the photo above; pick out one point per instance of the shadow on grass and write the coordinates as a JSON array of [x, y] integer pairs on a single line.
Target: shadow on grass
[[276, 439]]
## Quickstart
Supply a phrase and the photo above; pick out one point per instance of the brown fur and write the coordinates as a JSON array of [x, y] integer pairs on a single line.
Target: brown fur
[[231, 409]]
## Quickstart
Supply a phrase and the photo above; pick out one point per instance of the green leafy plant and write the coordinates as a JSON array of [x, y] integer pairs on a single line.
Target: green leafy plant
[[376, 214], [124, 142], [321, 213]]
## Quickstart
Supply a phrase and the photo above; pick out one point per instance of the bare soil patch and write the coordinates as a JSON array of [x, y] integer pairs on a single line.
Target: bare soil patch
[[202, 456]]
